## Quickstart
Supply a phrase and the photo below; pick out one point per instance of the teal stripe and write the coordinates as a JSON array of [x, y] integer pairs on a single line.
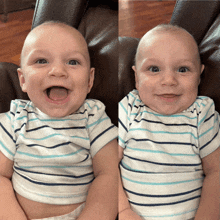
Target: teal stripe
[[135, 113], [163, 184], [97, 122], [7, 149], [123, 108], [121, 139], [33, 119], [198, 104], [48, 156], [80, 138], [160, 152], [20, 118], [206, 132], [203, 119], [50, 120], [69, 196], [8, 116], [50, 136], [91, 107], [29, 105], [163, 132], [14, 103], [21, 106], [56, 167], [40, 139], [134, 97], [169, 116], [130, 167], [165, 216]]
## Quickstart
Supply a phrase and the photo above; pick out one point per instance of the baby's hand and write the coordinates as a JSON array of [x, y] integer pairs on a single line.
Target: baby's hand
[[128, 214]]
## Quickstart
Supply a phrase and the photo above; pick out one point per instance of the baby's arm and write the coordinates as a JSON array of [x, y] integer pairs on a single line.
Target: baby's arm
[[101, 202], [9, 206], [124, 209], [209, 203]]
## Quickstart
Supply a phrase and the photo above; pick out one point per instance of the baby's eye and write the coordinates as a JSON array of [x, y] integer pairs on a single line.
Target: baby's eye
[[41, 61], [154, 69], [73, 62], [183, 69]]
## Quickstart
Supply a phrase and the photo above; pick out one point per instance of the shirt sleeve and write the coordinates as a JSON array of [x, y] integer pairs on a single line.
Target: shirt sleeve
[[7, 137], [100, 128], [208, 128]]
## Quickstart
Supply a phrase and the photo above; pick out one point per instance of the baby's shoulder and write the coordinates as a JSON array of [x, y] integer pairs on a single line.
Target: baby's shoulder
[[202, 103], [131, 100], [93, 105], [18, 105], [92, 108]]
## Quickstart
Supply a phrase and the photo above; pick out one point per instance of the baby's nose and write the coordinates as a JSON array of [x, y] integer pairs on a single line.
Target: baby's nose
[[58, 71], [169, 78]]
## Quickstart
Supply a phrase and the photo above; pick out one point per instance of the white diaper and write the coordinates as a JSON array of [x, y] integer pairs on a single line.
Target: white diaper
[[71, 216]]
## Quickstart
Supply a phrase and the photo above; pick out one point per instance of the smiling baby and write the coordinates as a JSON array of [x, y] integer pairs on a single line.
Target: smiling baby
[[169, 137], [58, 152]]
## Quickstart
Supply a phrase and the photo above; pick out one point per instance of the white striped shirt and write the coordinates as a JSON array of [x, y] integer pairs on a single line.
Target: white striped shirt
[[53, 156], [161, 168]]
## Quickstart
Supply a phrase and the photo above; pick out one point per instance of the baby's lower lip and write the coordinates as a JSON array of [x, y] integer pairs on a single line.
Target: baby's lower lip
[[169, 97]]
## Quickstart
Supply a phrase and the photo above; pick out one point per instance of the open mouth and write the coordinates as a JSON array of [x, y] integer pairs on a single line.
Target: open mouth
[[57, 93]]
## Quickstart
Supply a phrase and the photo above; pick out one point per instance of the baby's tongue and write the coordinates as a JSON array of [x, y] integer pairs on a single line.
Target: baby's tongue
[[58, 93]]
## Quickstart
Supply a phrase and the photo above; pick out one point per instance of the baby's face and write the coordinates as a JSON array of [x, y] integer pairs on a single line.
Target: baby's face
[[55, 70], [168, 72]]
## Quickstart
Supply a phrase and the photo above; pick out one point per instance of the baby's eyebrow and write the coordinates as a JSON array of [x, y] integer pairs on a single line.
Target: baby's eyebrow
[[70, 53], [37, 51], [187, 61], [77, 53], [153, 60], [150, 59]]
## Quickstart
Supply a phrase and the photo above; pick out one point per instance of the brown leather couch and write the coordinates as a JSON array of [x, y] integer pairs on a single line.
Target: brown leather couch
[[98, 21], [202, 20]]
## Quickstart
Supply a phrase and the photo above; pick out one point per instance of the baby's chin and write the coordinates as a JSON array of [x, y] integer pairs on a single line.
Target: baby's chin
[[164, 110], [56, 113]]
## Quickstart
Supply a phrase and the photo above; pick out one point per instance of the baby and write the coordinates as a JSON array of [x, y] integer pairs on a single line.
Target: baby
[[168, 137], [58, 152]]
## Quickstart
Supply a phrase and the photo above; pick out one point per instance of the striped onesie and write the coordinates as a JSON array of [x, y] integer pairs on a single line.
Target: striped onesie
[[161, 167], [53, 156]]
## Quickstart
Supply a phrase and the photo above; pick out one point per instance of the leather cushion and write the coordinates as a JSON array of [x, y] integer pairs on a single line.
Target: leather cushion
[[99, 26]]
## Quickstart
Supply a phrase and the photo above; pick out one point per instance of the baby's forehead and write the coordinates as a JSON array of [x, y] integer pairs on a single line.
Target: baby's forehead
[[157, 35], [54, 31]]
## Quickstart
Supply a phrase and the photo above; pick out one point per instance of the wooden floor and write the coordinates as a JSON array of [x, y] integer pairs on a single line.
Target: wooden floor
[[13, 34], [137, 17]]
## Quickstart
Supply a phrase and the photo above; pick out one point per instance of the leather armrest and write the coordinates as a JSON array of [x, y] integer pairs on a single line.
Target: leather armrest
[[99, 26]]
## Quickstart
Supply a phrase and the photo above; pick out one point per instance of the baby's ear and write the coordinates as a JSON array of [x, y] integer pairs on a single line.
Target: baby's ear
[[136, 77], [22, 79], [91, 79], [202, 68]]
